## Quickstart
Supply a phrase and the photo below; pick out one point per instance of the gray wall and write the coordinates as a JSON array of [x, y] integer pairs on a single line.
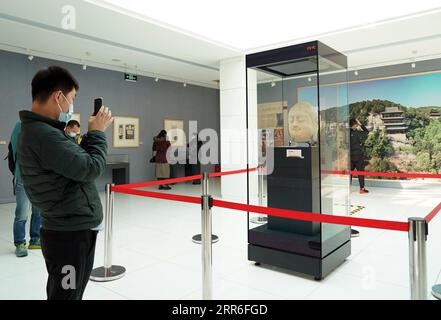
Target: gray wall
[[151, 101]]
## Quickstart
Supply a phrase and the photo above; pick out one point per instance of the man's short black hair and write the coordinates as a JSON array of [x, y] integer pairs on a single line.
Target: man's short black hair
[[51, 79], [352, 122], [73, 123]]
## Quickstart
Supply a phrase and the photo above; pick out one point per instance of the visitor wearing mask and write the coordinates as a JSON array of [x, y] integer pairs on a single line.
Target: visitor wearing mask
[[73, 130], [59, 179]]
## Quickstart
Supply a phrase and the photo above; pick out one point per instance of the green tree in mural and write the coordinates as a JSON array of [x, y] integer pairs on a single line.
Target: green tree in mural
[[427, 147], [416, 118], [363, 109], [378, 145], [378, 148], [382, 165]]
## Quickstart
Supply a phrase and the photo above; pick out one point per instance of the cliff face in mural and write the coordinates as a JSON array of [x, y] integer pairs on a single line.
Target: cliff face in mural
[[402, 138]]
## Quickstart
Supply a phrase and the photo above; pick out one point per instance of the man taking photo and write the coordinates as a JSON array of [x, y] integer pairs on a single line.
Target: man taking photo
[[59, 178]]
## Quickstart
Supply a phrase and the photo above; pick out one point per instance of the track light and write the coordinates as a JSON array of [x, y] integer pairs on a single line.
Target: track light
[[184, 84], [30, 57], [273, 84], [356, 72], [84, 67], [309, 79], [156, 79], [413, 65]]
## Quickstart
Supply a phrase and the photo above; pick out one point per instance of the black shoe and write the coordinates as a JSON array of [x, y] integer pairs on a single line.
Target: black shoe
[[161, 187], [196, 182], [167, 187], [354, 233]]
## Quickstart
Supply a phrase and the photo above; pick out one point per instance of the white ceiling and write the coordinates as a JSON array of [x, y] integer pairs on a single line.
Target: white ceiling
[[253, 24], [185, 40]]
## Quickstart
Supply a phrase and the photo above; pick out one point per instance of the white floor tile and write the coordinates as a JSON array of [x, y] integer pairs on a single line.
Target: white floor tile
[[152, 239], [274, 281], [161, 281], [344, 287], [227, 290]]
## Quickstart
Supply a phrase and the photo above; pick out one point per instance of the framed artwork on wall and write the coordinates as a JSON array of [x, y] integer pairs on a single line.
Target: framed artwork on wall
[[175, 132], [126, 132]]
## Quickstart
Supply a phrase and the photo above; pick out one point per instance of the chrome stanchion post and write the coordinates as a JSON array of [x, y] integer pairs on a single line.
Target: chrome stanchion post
[[206, 226], [418, 232], [260, 219], [108, 272], [205, 190], [260, 176]]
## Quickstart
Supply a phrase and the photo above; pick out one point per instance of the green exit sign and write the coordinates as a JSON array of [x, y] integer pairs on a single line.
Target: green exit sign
[[130, 77]]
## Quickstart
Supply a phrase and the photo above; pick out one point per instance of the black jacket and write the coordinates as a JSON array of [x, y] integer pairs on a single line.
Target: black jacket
[[59, 175], [357, 139]]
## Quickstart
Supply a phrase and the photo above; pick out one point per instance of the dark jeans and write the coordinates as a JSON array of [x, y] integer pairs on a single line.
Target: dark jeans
[[74, 250], [359, 165]]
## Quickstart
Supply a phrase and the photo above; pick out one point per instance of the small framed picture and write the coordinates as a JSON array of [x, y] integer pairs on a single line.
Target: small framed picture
[[125, 132], [175, 132]]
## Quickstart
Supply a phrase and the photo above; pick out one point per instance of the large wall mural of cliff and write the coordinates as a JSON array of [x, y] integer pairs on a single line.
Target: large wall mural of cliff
[[403, 115]]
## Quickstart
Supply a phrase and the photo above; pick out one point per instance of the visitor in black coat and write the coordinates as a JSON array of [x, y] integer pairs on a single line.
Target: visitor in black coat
[[356, 150], [357, 138]]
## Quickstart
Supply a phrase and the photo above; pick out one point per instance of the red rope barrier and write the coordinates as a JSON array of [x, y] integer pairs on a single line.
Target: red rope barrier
[[181, 179], [433, 213], [290, 214], [157, 195], [385, 174], [219, 174], [315, 217], [159, 182]]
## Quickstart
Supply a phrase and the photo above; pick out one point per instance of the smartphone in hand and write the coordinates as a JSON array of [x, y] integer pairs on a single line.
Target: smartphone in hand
[[98, 103]]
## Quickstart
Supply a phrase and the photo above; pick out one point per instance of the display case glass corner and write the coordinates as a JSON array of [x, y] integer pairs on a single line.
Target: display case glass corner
[[297, 115]]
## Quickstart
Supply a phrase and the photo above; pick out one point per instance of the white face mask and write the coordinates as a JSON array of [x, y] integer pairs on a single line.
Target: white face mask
[[72, 134], [66, 116]]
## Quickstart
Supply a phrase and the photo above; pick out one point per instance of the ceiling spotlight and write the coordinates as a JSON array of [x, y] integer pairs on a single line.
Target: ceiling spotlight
[[156, 79], [273, 84], [30, 57], [184, 84], [309, 79], [84, 67], [413, 65], [356, 72]]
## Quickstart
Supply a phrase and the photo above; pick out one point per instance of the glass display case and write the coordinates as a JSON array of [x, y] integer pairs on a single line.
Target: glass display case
[[298, 136]]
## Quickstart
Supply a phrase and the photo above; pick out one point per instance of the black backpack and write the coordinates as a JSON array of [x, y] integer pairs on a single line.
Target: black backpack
[[11, 159], [11, 162]]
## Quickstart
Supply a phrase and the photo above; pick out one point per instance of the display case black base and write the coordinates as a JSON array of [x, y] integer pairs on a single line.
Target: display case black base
[[319, 268]]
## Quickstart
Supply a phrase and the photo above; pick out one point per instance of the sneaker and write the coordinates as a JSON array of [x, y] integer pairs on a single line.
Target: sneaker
[[167, 187], [20, 251], [363, 190], [35, 245], [161, 187], [355, 233]]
